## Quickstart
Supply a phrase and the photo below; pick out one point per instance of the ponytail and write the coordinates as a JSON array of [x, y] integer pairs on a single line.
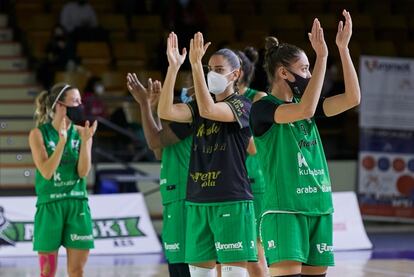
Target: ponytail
[[42, 115], [46, 101]]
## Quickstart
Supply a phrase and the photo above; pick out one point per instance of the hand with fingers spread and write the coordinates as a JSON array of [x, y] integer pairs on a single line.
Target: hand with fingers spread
[[138, 91], [154, 96], [63, 133], [175, 59], [344, 33], [317, 39], [197, 48], [88, 131]]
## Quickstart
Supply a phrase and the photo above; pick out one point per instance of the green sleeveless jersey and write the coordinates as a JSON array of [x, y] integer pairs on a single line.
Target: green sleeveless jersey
[[295, 167], [255, 173], [174, 170], [65, 182], [254, 169], [250, 93]]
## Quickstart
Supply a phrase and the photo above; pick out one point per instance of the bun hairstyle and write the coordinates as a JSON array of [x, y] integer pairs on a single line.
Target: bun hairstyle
[[278, 54], [249, 57], [45, 101]]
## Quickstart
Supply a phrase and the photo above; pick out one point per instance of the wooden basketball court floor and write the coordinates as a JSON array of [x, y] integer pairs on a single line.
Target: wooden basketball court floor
[[143, 266], [393, 255]]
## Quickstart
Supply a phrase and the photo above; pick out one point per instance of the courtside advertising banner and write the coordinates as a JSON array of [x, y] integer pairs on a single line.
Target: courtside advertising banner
[[386, 157], [121, 225], [348, 229]]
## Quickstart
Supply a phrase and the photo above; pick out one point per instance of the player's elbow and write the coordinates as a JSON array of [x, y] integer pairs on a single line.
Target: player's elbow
[[307, 112], [165, 114], [47, 174], [154, 145], [206, 112], [83, 171]]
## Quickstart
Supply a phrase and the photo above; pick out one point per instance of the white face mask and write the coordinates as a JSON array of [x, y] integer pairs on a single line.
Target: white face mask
[[99, 89], [217, 83]]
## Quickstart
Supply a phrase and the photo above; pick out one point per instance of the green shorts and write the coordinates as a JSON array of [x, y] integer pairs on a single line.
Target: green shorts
[[66, 222], [173, 231], [223, 232], [258, 209], [297, 237]]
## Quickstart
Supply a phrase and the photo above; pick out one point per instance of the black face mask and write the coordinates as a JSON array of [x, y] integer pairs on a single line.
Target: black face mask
[[299, 85], [76, 114]]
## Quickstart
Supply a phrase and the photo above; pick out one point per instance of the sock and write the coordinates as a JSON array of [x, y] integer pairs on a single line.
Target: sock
[[47, 265], [196, 271], [233, 271]]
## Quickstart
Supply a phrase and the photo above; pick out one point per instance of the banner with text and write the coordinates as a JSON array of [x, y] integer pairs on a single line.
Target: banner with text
[[386, 157], [121, 225]]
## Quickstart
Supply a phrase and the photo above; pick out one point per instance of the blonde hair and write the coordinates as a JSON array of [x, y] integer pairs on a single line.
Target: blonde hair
[[45, 101]]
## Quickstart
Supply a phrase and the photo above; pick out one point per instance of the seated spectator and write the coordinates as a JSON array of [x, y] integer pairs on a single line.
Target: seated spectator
[[80, 21], [60, 56], [78, 14], [92, 98]]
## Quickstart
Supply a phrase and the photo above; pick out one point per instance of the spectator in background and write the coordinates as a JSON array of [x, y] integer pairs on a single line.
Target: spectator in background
[[80, 21], [186, 17], [78, 14], [92, 98], [60, 56]]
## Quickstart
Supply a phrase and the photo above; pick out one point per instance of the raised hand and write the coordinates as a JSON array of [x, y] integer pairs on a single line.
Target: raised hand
[[344, 31], [175, 59], [88, 131], [137, 90], [63, 133], [197, 48], [317, 39], [154, 96]]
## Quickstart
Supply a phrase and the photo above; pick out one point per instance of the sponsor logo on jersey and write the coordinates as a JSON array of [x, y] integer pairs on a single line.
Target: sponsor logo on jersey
[[76, 237], [271, 244], [208, 131], [206, 179], [56, 177], [307, 171], [75, 144], [323, 247], [303, 143], [229, 246], [52, 145], [172, 246]]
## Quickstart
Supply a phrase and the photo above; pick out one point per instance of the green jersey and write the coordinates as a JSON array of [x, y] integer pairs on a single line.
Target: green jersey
[[65, 182], [253, 166], [293, 162], [250, 93], [255, 173], [174, 171]]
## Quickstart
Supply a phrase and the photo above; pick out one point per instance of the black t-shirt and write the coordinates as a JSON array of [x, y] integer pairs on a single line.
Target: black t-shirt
[[262, 115], [217, 166], [181, 130]]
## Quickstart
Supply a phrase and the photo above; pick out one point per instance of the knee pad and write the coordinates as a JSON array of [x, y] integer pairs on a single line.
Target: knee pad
[[233, 271], [47, 265], [196, 271]]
